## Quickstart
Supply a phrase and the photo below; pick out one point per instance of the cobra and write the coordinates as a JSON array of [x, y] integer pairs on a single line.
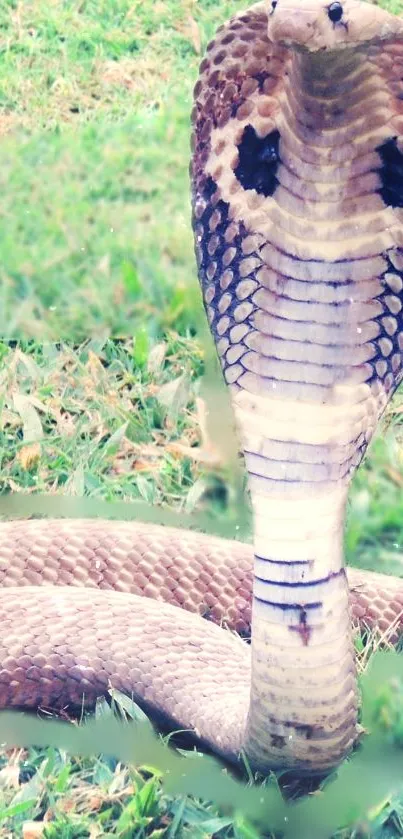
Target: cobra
[[297, 183]]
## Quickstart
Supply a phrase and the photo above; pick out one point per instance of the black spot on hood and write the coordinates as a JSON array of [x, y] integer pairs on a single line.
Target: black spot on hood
[[258, 161], [391, 173]]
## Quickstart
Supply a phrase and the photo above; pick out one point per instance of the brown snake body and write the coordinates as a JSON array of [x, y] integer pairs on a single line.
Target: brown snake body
[[297, 175]]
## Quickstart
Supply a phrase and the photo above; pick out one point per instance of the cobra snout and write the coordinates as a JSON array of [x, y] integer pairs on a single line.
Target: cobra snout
[[291, 28]]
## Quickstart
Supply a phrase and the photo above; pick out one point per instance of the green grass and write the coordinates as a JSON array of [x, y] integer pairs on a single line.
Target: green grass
[[95, 242], [118, 422], [94, 194]]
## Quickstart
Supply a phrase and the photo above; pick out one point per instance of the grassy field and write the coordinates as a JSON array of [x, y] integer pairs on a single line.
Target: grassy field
[[94, 157], [96, 246]]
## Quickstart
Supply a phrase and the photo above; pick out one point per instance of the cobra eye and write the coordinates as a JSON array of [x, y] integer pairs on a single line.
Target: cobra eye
[[335, 12], [273, 5]]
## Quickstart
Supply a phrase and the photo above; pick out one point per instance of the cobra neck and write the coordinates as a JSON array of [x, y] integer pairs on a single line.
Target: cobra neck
[[324, 70], [302, 710]]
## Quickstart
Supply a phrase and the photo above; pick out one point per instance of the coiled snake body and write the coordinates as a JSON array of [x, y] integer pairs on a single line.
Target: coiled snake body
[[297, 174]]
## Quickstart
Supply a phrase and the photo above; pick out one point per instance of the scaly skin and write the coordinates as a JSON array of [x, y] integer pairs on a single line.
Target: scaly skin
[[296, 197], [297, 177], [56, 643]]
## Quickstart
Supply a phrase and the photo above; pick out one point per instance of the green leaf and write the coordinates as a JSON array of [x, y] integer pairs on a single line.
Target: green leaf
[[113, 444], [243, 828], [140, 347], [131, 279], [31, 424], [17, 809], [63, 778], [133, 711]]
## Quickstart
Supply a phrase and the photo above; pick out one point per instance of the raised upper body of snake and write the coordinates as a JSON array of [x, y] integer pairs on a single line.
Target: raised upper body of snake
[[297, 175]]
